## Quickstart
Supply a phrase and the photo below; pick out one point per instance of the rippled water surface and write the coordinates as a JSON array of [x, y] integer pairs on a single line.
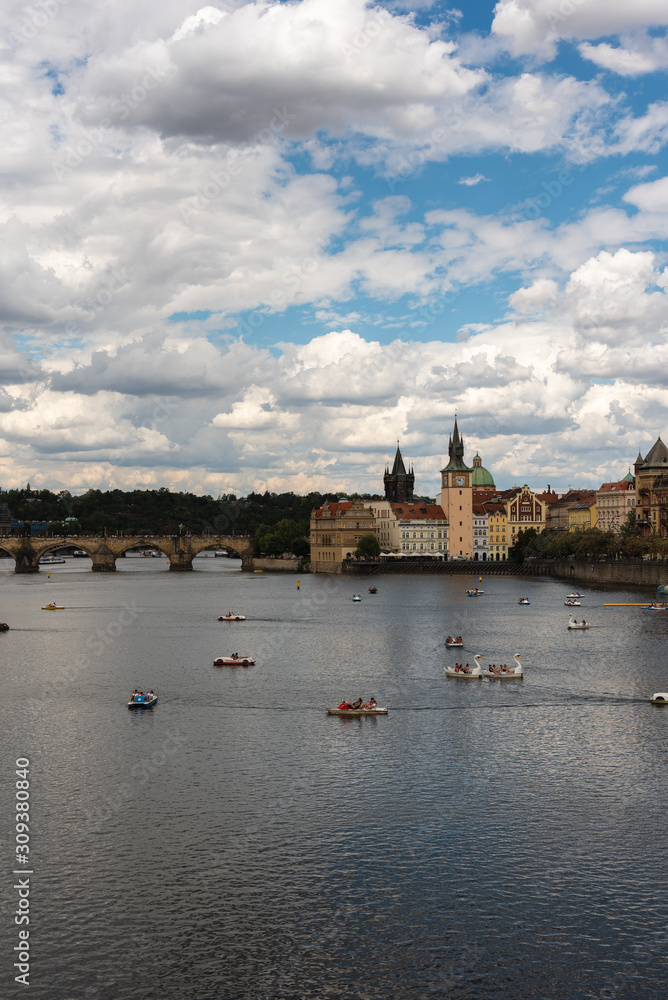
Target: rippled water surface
[[484, 840]]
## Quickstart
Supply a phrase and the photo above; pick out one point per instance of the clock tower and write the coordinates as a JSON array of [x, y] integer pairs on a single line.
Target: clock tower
[[457, 498]]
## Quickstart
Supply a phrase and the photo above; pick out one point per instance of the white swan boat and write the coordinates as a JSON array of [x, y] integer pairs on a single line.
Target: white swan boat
[[234, 661], [660, 698], [573, 624], [473, 674], [510, 674]]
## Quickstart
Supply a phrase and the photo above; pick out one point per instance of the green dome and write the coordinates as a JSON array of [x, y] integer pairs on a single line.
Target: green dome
[[481, 476]]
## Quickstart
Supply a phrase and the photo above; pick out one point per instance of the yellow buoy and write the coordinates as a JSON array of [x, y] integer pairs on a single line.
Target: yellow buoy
[[298, 582]]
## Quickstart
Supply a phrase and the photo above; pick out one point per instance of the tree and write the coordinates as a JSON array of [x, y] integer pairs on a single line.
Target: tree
[[367, 547]]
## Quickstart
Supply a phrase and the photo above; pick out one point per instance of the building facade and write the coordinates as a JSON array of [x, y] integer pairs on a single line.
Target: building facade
[[336, 529], [423, 529], [614, 503], [582, 515], [480, 537], [651, 475]]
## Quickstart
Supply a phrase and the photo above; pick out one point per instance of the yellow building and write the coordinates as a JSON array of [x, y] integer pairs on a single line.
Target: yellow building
[[582, 515], [497, 530], [336, 529], [526, 509]]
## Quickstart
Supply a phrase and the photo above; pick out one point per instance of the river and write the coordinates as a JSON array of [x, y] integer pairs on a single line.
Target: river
[[483, 840]]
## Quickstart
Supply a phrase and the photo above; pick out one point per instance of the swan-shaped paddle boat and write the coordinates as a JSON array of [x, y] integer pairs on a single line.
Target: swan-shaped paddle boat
[[511, 673], [473, 674], [570, 603], [660, 698], [573, 624], [231, 617], [234, 661], [524, 600]]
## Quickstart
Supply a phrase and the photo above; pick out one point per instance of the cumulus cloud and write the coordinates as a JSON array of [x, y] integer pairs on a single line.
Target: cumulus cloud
[[535, 26]]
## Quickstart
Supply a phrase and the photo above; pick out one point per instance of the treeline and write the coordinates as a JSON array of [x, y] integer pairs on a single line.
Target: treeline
[[590, 543], [278, 519]]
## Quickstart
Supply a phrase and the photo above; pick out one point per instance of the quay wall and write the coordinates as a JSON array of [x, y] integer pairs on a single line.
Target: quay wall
[[278, 565], [625, 572], [458, 567]]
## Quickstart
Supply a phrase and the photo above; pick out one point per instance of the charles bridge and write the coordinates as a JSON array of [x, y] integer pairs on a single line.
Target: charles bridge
[[104, 550]]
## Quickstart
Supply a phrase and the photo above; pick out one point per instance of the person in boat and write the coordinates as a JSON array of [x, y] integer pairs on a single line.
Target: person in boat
[[357, 704], [449, 639], [583, 622], [345, 706], [458, 639], [150, 696], [133, 696], [467, 669], [372, 702]]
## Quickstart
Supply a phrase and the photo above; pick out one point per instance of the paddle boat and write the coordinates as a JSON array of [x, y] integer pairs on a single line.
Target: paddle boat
[[231, 617], [373, 590], [456, 643], [573, 624], [655, 607], [660, 698], [4, 627], [53, 607], [474, 593], [357, 597], [235, 660], [570, 603], [575, 595], [142, 701], [507, 673], [355, 712], [524, 600], [464, 674]]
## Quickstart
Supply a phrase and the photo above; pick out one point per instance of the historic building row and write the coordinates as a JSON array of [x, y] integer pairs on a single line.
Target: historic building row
[[474, 520]]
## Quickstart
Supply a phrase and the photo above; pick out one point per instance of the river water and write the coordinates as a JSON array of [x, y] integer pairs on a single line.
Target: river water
[[483, 840]]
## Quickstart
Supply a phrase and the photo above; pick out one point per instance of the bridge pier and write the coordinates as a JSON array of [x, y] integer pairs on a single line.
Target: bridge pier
[[27, 560], [181, 555], [104, 561]]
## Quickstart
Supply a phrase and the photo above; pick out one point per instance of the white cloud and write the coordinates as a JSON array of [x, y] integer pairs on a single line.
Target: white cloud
[[636, 55], [535, 26], [472, 181]]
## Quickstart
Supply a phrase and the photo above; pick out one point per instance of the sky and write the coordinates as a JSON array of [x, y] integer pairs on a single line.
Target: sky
[[252, 245]]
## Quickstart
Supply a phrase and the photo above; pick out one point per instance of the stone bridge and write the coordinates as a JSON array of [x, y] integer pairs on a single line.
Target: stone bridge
[[105, 550]]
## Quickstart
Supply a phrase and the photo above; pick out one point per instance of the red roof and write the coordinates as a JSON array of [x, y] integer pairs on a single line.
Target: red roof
[[418, 511], [622, 486], [337, 508]]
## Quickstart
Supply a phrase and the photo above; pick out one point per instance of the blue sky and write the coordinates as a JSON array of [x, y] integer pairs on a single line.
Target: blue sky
[[248, 245]]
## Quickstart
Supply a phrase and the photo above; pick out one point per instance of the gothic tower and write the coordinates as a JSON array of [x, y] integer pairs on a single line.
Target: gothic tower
[[398, 483]]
